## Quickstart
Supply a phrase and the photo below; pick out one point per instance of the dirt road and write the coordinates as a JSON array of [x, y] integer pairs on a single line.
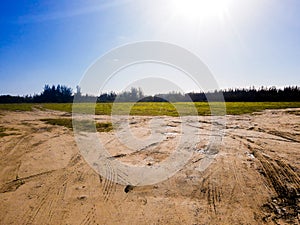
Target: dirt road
[[253, 177]]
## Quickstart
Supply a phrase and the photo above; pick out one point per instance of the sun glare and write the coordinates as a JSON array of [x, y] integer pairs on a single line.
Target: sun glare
[[199, 9]]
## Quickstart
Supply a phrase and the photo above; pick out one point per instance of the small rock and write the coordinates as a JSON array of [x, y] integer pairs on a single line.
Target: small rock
[[128, 188], [80, 187], [82, 197], [38, 185]]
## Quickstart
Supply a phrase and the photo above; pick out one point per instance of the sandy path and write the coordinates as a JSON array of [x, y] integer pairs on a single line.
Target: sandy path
[[254, 178]]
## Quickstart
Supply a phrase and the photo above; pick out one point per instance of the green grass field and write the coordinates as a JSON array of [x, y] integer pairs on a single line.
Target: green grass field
[[17, 107], [155, 108]]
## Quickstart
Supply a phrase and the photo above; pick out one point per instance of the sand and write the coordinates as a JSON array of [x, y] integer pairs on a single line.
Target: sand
[[251, 178]]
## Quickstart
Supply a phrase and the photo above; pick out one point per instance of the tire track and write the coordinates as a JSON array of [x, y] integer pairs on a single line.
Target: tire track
[[284, 182], [109, 185], [240, 189], [48, 200], [90, 217], [210, 191], [15, 184]]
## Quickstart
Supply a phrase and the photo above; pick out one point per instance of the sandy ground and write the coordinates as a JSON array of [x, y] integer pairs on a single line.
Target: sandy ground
[[253, 177]]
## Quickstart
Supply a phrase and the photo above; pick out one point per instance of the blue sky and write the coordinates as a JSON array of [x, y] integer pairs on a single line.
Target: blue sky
[[243, 42]]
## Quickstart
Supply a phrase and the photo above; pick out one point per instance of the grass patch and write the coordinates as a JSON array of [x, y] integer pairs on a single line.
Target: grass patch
[[17, 107], [165, 108], [65, 107], [297, 113], [60, 122], [82, 125], [104, 127], [237, 108], [155, 108], [3, 131]]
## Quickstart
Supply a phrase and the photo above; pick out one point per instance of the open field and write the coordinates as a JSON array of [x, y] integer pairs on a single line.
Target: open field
[[155, 109], [17, 107], [253, 177]]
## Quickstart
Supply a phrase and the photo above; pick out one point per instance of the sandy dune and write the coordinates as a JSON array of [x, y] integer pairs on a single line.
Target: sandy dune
[[253, 177]]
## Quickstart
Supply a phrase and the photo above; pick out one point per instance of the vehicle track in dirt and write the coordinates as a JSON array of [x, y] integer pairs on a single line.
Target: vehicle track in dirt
[[253, 177]]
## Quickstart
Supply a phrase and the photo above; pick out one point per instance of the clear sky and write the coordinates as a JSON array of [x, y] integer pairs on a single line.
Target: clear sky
[[243, 42]]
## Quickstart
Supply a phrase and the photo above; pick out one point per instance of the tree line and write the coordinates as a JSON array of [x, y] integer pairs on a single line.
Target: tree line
[[64, 94], [55, 94]]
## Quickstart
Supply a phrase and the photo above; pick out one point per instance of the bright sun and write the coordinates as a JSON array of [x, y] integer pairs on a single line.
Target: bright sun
[[199, 9]]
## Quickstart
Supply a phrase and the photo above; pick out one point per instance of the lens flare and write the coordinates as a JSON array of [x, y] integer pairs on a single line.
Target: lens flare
[[199, 9]]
